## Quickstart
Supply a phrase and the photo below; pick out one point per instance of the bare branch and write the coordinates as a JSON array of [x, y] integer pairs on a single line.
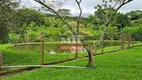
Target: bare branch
[[79, 17], [52, 10], [78, 23], [115, 4], [78, 2], [111, 18], [62, 4]]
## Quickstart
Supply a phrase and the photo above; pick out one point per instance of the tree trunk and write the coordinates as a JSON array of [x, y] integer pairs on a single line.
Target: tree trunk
[[91, 60], [90, 56]]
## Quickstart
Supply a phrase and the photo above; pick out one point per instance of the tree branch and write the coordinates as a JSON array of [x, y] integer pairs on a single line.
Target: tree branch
[[52, 10], [110, 19], [79, 17], [115, 4]]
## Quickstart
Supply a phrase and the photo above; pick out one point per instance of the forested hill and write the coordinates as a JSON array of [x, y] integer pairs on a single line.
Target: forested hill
[[26, 25]]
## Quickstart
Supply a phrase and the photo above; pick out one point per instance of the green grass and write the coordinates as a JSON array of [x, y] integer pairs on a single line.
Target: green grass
[[110, 48], [123, 65]]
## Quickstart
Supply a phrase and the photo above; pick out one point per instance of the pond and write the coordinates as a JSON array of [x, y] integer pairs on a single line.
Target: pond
[[54, 48], [37, 48]]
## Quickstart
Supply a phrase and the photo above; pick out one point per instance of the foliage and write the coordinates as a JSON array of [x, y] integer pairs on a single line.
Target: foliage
[[28, 24], [134, 15], [112, 33], [104, 14], [107, 43], [136, 32], [95, 31], [136, 22], [121, 20], [64, 12], [7, 18]]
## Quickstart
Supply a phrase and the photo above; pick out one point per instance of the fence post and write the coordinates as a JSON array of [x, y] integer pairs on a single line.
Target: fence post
[[129, 41], [0, 58], [103, 45], [133, 40], [42, 48], [76, 55], [122, 41]]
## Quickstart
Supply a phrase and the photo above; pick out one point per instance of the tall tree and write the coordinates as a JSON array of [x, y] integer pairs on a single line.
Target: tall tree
[[117, 6], [121, 20], [7, 15], [104, 13], [134, 15], [64, 12]]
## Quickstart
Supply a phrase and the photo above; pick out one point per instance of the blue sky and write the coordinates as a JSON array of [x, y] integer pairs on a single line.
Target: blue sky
[[87, 6]]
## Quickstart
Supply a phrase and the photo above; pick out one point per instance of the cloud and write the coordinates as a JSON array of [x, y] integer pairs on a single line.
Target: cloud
[[134, 5], [88, 6]]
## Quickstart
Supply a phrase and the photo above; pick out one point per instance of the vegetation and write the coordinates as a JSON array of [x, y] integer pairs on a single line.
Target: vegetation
[[135, 31], [27, 26]]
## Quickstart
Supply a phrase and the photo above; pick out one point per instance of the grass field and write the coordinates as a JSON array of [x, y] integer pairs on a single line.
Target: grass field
[[123, 65]]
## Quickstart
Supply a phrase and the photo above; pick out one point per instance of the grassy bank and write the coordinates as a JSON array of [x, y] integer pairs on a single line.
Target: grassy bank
[[13, 57], [21, 57], [25, 55]]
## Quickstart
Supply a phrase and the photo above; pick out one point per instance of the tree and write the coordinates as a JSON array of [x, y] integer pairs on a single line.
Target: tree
[[134, 15], [7, 15], [94, 20], [117, 6], [120, 20], [64, 12], [112, 33], [103, 14], [26, 17]]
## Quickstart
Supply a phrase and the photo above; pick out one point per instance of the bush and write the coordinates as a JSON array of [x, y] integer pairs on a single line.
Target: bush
[[136, 32], [106, 43], [112, 33], [14, 38]]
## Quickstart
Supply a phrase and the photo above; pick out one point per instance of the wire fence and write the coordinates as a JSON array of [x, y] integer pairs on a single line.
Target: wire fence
[[66, 48]]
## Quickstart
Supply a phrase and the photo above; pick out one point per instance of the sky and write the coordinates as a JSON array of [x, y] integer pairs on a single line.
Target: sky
[[87, 6]]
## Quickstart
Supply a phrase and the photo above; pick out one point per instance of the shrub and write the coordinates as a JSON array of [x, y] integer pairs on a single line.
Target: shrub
[[136, 32]]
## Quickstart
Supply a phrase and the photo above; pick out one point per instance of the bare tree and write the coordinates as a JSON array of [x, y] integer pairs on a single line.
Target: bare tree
[[52, 8], [78, 24], [117, 6]]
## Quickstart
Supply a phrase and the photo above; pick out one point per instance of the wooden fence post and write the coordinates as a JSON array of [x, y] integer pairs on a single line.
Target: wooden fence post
[[129, 41], [76, 54], [42, 48], [0, 58], [133, 40], [103, 45], [122, 41]]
